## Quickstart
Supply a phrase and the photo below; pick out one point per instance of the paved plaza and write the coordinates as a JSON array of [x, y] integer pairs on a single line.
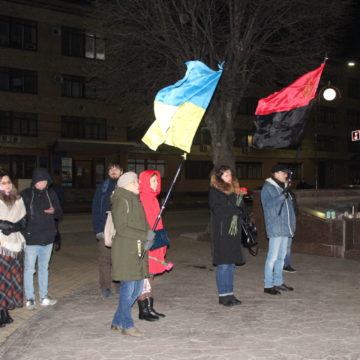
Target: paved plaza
[[319, 320]]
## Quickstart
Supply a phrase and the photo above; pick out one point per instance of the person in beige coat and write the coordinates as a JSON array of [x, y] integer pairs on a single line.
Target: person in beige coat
[[129, 250]]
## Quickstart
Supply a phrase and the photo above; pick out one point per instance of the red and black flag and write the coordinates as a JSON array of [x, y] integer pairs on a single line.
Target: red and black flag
[[280, 117]]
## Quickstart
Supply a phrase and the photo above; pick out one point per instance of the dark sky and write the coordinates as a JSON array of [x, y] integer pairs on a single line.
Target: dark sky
[[352, 34]]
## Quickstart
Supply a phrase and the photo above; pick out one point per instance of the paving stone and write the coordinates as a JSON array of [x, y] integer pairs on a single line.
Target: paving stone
[[319, 320]]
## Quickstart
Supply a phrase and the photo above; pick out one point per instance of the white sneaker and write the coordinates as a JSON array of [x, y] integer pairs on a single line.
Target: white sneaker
[[48, 301], [30, 304]]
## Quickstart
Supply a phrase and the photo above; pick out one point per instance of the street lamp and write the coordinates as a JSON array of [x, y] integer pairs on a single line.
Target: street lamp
[[329, 93]]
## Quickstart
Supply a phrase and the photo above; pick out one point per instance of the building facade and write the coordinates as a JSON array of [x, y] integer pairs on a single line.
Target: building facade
[[51, 116]]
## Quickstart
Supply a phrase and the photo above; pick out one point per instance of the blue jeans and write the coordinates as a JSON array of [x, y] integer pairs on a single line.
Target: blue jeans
[[42, 253], [275, 261], [225, 279], [129, 292], [287, 261]]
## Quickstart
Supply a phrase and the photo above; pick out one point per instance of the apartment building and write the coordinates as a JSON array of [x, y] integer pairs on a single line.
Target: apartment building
[[51, 115]]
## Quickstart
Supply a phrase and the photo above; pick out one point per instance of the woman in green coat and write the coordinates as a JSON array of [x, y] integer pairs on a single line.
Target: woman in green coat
[[128, 252]]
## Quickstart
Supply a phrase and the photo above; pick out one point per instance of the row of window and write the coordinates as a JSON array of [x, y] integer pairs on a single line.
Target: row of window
[[19, 167], [75, 127], [25, 81], [200, 170], [23, 34], [72, 127], [18, 33]]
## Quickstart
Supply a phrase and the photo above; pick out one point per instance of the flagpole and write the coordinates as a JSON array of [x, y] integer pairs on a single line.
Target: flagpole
[[169, 191], [167, 196]]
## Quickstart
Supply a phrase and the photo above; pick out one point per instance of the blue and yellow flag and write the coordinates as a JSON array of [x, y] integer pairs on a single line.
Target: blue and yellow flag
[[179, 108]]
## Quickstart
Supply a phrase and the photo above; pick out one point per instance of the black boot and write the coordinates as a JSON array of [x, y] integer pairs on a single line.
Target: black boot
[[151, 307], [226, 300], [9, 318], [2, 318], [144, 313], [5, 317]]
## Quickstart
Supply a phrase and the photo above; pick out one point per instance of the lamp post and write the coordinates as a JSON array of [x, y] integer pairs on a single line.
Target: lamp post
[[328, 93]]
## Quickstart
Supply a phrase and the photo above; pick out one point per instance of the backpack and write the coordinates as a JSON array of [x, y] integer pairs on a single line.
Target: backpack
[[109, 230]]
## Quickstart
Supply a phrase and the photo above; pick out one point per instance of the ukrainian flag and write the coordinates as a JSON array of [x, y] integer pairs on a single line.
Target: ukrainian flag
[[179, 108]]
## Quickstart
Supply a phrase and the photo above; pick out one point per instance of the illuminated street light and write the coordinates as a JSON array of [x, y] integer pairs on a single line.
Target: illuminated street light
[[351, 63], [329, 94]]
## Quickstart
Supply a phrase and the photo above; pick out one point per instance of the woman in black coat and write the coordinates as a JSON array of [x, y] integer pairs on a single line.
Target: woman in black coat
[[225, 201]]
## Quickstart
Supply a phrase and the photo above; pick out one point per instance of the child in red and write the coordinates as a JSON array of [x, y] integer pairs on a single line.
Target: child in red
[[150, 187]]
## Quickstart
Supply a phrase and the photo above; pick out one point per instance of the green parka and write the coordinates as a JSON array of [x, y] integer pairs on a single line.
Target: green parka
[[130, 225]]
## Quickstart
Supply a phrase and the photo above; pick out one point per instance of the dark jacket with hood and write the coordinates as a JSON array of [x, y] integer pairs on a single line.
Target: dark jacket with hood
[[40, 229]]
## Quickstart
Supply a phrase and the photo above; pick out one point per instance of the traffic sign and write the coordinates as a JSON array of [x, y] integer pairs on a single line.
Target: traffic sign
[[355, 135]]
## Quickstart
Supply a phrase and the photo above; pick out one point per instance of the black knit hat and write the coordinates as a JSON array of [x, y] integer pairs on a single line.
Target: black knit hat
[[280, 167]]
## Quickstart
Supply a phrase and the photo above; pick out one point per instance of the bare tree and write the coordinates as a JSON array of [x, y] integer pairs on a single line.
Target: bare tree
[[260, 41]]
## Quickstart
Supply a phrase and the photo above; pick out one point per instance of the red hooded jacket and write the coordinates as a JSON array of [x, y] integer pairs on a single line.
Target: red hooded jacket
[[148, 197]]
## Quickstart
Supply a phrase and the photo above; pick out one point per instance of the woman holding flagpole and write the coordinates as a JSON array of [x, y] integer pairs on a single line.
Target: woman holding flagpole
[[150, 187], [226, 208]]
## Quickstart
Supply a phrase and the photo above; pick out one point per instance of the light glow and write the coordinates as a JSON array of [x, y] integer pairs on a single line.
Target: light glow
[[329, 94]]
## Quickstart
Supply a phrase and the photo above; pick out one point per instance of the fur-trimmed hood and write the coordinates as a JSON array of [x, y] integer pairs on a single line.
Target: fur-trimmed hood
[[224, 187]]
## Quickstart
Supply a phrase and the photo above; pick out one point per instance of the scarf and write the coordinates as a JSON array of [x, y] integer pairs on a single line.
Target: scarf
[[12, 244]]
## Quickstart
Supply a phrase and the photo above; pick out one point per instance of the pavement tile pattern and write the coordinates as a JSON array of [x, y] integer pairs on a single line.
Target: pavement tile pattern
[[319, 320]]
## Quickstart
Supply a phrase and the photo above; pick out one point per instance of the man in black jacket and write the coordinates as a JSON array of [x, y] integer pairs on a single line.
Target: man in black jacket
[[42, 208]]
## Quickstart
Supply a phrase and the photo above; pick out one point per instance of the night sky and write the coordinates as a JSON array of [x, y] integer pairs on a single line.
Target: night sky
[[352, 34]]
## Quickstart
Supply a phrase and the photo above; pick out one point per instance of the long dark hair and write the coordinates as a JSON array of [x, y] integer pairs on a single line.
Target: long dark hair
[[219, 172], [8, 199], [217, 182]]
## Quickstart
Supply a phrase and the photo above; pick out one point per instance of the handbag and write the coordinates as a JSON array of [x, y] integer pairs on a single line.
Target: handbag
[[249, 236], [109, 230], [161, 239]]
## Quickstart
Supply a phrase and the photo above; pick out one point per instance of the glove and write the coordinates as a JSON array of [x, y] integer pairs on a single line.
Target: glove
[[100, 236], [20, 225], [150, 236], [6, 226]]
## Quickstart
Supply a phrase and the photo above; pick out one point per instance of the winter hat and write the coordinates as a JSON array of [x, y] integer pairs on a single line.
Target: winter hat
[[280, 167], [40, 174], [126, 179]]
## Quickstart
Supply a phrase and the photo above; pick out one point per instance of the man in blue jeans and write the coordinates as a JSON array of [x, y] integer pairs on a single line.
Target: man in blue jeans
[[280, 221], [42, 208]]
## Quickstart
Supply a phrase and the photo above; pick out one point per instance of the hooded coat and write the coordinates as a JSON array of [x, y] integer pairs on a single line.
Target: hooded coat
[[131, 226], [150, 203], [226, 249], [40, 228]]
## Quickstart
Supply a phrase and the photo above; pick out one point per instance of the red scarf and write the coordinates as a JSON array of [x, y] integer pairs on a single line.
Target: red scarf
[[148, 197]]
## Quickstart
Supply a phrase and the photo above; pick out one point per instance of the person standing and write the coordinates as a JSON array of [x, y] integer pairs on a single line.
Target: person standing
[[226, 208], [42, 208], [150, 187], [280, 222], [100, 206], [129, 250], [12, 221]]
